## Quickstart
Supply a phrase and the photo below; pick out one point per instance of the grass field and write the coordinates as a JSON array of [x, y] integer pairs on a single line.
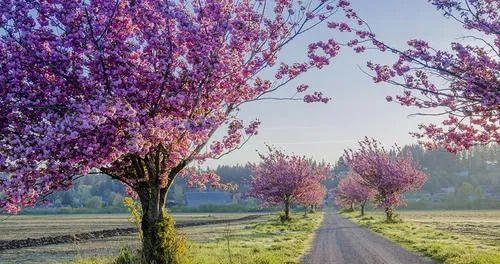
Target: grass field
[[34, 226], [263, 240], [451, 237]]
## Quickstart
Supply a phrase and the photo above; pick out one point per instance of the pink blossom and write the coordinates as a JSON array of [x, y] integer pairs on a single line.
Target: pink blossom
[[389, 172], [117, 86], [462, 81], [351, 192], [284, 179]]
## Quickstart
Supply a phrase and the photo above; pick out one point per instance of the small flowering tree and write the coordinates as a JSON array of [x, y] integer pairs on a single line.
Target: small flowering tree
[[313, 197], [461, 84], [137, 89], [283, 179], [389, 172], [350, 192]]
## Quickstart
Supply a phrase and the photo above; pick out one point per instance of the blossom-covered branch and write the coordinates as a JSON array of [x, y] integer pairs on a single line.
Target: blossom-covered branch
[[137, 88], [462, 83]]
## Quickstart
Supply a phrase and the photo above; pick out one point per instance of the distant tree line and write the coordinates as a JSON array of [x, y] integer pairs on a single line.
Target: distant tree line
[[468, 173], [101, 193], [94, 193], [477, 166]]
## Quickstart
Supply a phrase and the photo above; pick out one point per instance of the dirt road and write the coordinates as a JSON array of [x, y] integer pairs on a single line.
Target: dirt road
[[340, 241]]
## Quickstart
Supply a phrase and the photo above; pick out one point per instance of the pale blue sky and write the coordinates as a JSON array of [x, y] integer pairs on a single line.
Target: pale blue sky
[[358, 109]]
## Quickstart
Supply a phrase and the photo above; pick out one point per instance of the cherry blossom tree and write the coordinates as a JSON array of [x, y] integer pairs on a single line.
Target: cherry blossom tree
[[136, 89], [461, 84], [390, 173], [351, 192], [313, 197], [287, 179]]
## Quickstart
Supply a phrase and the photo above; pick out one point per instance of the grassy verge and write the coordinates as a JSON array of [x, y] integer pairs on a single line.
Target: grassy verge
[[266, 241], [432, 239]]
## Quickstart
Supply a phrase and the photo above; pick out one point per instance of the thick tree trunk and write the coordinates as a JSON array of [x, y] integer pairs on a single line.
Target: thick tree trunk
[[151, 243], [151, 180], [152, 225], [352, 207], [305, 210]]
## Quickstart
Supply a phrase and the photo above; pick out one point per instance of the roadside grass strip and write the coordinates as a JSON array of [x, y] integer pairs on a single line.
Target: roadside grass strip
[[443, 240]]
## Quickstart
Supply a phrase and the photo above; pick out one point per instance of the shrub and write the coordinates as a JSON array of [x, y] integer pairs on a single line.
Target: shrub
[[126, 256], [134, 208], [173, 244]]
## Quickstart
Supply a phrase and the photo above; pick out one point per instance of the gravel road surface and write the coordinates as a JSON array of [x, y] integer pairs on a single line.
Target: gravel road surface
[[340, 241]]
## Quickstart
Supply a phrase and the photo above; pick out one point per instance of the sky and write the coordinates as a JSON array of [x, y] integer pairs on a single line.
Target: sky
[[358, 107]]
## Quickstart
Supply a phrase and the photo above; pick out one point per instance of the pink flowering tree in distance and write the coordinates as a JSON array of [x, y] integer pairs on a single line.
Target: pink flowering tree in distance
[[287, 179], [390, 173], [137, 89], [461, 84], [351, 192], [313, 197]]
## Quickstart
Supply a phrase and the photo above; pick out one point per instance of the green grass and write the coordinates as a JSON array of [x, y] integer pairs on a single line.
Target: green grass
[[266, 241], [450, 237]]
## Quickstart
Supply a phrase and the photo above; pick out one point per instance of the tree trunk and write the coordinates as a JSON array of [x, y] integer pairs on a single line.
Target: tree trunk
[[153, 250], [305, 210], [287, 210], [389, 214], [160, 243], [351, 208], [363, 208], [151, 243]]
